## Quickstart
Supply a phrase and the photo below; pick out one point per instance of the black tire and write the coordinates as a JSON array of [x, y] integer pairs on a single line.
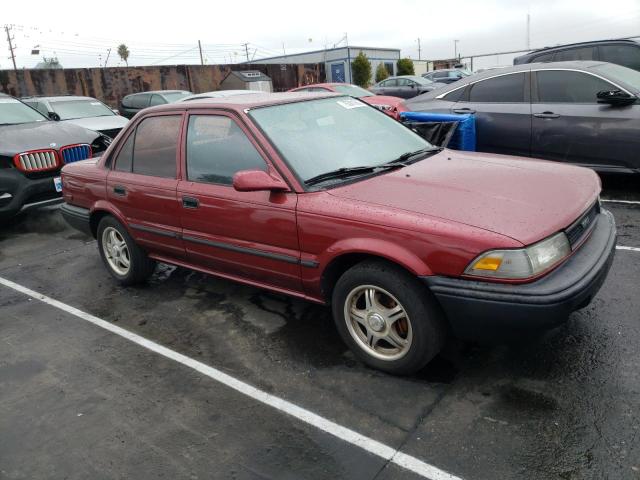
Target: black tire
[[426, 318], [140, 265]]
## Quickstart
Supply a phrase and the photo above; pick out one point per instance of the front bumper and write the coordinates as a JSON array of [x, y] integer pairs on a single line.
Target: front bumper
[[482, 310], [18, 192]]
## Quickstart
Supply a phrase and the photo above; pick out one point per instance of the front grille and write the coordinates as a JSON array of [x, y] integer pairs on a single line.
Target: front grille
[[578, 229], [36, 161], [73, 153]]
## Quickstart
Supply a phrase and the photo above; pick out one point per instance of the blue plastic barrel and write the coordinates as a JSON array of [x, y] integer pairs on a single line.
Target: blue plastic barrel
[[464, 138]]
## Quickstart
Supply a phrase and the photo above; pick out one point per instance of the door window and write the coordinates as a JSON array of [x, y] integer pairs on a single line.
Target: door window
[[563, 86], [454, 96], [545, 57], [625, 55], [403, 82], [155, 146], [584, 53], [502, 89], [124, 159], [217, 149], [389, 83], [139, 101]]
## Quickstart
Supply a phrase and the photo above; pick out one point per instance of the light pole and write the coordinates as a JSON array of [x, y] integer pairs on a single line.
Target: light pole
[[455, 49]]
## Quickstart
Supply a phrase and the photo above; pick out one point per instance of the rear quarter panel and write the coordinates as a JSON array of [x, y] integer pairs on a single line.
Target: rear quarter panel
[[83, 183]]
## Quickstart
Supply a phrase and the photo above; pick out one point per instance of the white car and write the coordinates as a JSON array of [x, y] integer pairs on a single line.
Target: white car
[[219, 94]]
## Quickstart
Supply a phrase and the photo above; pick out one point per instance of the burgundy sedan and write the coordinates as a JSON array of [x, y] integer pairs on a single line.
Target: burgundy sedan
[[392, 106], [319, 197]]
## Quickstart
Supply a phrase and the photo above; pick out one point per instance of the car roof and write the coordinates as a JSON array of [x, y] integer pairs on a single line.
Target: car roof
[[159, 91], [245, 102], [57, 98], [581, 44]]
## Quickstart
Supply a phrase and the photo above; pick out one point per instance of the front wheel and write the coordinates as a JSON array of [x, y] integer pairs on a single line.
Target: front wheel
[[387, 317], [124, 259]]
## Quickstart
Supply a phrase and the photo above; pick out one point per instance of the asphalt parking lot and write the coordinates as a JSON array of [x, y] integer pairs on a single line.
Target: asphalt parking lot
[[78, 401]]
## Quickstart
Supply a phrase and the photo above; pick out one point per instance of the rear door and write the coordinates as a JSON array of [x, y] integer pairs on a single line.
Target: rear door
[[503, 113], [570, 125], [247, 235], [143, 182]]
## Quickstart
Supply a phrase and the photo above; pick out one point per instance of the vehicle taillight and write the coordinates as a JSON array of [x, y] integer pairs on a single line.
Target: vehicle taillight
[[37, 161]]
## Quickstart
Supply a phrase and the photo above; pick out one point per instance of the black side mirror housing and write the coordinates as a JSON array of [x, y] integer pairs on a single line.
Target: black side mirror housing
[[54, 116], [615, 97]]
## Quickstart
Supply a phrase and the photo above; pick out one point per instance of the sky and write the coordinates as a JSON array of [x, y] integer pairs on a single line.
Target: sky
[[167, 33]]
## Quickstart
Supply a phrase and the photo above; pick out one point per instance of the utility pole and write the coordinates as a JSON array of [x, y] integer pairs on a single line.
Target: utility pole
[[108, 54], [419, 51], [9, 39], [246, 50], [455, 49], [200, 48], [528, 31]]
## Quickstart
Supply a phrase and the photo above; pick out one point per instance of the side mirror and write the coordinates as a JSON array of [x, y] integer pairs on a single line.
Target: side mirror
[[615, 97], [116, 111], [54, 116], [257, 180], [412, 85]]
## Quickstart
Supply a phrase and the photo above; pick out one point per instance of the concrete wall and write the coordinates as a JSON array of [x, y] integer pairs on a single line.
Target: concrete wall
[[111, 84]]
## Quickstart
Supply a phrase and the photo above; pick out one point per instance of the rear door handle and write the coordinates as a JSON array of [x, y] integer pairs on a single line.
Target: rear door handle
[[463, 110], [546, 115], [190, 202], [119, 190]]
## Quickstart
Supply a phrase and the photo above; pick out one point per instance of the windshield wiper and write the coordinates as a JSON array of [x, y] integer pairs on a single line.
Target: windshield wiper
[[345, 172], [406, 156]]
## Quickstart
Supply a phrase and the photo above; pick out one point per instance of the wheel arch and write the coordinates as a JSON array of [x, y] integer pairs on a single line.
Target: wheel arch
[[101, 210]]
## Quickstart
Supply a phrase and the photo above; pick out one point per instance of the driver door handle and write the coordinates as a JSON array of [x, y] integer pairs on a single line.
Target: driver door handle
[[190, 202], [546, 115], [463, 110]]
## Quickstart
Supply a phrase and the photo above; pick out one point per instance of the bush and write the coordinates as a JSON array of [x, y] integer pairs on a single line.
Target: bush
[[381, 72], [361, 70], [405, 67]]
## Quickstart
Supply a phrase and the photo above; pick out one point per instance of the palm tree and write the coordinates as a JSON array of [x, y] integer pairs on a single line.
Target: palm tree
[[123, 51]]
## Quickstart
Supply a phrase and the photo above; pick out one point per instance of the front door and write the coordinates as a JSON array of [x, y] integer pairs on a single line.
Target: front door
[[337, 72], [569, 125], [503, 113], [143, 184], [246, 235]]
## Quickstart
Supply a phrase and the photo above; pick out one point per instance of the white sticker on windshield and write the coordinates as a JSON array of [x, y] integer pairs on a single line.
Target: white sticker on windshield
[[350, 103]]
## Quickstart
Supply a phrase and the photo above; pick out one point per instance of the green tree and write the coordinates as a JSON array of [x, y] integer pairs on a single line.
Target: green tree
[[123, 52], [361, 70], [381, 72], [405, 67]]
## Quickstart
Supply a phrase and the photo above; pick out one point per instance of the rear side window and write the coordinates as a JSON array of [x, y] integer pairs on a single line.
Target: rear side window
[[454, 96], [139, 101], [390, 83], [503, 89], [545, 57], [157, 100], [625, 55], [156, 145], [217, 148], [561, 86], [584, 53]]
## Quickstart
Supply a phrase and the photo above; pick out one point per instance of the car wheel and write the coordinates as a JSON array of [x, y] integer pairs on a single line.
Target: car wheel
[[387, 317], [125, 260]]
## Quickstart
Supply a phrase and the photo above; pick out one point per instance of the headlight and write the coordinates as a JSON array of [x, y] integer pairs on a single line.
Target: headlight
[[521, 263]]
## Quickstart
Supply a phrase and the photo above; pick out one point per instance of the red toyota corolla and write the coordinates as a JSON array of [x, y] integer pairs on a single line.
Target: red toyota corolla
[[320, 197], [392, 106]]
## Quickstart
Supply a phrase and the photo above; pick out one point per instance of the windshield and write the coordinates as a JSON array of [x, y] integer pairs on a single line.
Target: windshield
[[175, 96], [618, 72], [70, 109], [13, 112], [323, 135], [352, 90]]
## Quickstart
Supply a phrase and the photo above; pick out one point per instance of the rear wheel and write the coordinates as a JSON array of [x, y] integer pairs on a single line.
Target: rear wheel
[[387, 317], [124, 259]]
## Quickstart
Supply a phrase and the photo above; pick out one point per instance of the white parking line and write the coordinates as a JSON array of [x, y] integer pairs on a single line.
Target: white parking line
[[629, 202], [632, 249], [343, 433]]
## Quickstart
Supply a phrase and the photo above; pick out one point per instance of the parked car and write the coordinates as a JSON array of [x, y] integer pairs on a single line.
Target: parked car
[[586, 113], [386, 103], [406, 86], [132, 104], [446, 75], [322, 199], [219, 94], [620, 52], [86, 112], [32, 151]]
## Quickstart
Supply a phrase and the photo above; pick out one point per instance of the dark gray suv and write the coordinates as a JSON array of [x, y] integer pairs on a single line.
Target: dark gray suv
[[586, 113]]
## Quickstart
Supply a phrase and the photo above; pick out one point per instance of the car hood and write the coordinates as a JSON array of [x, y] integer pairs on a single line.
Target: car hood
[[382, 100], [526, 200], [99, 123], [41, 135]]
